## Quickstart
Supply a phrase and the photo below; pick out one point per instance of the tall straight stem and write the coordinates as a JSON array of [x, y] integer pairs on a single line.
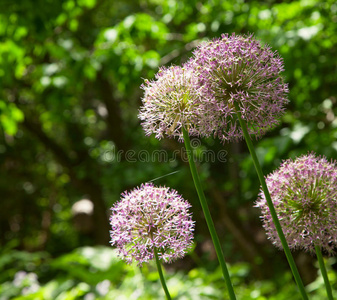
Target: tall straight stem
[[271, 206], [161, 276], [324, 273], [207, 214]]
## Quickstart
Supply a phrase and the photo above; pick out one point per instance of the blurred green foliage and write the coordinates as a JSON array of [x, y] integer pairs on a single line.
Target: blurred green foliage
[[70, 76], [97, 273]]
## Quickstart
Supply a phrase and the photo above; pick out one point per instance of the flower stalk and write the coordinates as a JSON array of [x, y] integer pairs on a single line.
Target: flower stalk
[[207, 214], [324, 272], [271, 206], [161, 276]]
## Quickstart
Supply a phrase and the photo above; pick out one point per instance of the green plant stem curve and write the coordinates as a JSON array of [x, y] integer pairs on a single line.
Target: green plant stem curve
[[161, 276], [207, 215], [271, 206], [324, 273]]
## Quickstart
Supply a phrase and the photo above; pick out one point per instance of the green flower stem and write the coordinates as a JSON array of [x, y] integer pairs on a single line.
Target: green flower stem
[[207, 214], [161, 276], [271, 206], [324, 273]]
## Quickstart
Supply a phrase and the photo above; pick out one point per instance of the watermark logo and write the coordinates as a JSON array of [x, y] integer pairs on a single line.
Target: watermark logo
[[199, 153]]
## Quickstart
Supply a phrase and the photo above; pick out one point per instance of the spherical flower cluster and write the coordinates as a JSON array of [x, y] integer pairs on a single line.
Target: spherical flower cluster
[[172, 101], [149, 218], [304, 193], [241, 75]]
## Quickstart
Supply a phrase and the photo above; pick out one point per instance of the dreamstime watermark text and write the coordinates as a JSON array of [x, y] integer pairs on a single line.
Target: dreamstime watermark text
[[199, 154]]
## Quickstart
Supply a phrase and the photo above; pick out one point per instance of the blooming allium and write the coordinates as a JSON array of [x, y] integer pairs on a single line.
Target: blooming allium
[[304, 193], [149, 218], [239, 72], [172, 101]]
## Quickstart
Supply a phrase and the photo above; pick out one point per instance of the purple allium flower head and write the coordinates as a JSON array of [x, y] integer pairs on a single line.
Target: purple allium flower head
[[172, 101], [238, 70], [304, 193], [151, 217]]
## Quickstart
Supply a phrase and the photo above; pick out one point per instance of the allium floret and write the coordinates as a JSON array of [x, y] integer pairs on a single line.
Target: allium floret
[[304, 193], [149, 218], [241, 74], [172, 101]]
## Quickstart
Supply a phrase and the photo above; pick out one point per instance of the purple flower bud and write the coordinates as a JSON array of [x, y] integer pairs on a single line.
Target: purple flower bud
[[175, 100], [238, 70], [304, 193], [151, 217]]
